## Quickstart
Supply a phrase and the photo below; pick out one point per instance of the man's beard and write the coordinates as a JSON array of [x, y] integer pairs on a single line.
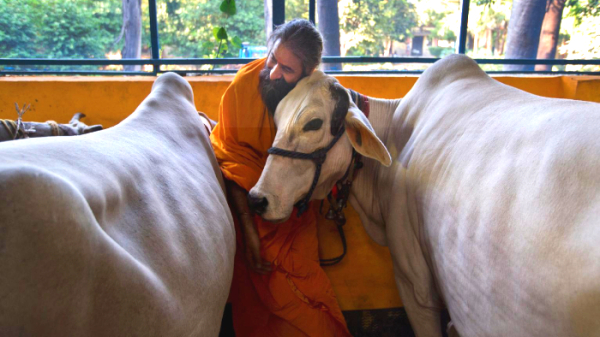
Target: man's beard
[[272, 91]]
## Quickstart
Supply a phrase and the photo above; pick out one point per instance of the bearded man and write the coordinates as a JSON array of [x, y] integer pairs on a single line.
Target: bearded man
[[279, 288]]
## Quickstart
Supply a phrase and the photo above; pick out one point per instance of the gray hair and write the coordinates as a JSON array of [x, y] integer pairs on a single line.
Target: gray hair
[[303, 39]]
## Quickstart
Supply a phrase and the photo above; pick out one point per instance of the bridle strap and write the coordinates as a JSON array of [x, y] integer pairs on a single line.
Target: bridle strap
[[318, 157], [338, 202], [336, 213]]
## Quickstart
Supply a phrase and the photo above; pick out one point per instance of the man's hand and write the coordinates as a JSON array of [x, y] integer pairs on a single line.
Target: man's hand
[[238, 198], [252, 246]]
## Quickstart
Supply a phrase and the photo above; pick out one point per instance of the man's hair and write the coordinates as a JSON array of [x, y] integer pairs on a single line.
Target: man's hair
[[301, 38]]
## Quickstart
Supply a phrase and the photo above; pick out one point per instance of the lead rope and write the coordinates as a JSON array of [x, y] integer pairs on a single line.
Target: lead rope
[[11, 128], [336, 207], [20, 127]]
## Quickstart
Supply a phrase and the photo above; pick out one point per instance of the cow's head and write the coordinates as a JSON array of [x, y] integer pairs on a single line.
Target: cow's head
[[308, 119]]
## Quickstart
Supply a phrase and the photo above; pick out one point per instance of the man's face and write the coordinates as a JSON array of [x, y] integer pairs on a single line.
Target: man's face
[[281, 73], [282, 63]]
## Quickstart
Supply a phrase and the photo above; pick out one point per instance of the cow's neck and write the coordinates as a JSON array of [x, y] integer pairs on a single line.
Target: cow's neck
[[364, 190]]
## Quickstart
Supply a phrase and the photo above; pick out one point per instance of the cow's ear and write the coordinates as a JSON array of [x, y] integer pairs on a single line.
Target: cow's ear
[[363, 138]]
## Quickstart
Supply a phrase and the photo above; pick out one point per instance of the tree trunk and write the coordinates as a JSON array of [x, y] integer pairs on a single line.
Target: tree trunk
[[550, 30], [524, 32], [268, 18], [389, 47], [132, 21], [502, 42], [328, 21]]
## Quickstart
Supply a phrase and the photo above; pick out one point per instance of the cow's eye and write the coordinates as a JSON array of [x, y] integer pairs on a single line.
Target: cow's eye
[[313, 125]]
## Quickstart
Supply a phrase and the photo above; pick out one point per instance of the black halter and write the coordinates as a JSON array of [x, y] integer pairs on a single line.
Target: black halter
[[318, 157], [339, 201]]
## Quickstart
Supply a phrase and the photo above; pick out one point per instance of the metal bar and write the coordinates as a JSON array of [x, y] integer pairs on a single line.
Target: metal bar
[[219, 61], [155, 42], [536, 61], [464, 20], [203, 72], [233, 71], [369, 59], [278, 12], [374, 72], [89, 62], [5, 61], [495, 72], [311, 11], [363, 59], [73, 72], [326, 59], [544, 72]]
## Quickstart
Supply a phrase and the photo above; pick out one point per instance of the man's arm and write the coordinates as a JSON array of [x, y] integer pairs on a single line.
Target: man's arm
[[239, 202]]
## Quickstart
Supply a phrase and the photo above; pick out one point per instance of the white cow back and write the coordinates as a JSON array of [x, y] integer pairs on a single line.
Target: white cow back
[[120, 232], [504, 192]]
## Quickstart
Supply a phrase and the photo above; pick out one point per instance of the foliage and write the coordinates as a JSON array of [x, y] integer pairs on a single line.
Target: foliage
[[440, 51], [583, 43], [493, 15], [81, 37], [196, 28], [441, 29], [377, 22], [55, 29], [16, 27], [296, 9], [187, 27], [580, 9]]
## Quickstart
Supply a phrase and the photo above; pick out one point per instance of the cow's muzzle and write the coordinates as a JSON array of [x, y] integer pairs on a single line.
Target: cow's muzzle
[[258, 204]]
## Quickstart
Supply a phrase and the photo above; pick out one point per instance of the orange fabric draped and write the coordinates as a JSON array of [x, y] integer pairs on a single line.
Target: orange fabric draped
[[296, 298]]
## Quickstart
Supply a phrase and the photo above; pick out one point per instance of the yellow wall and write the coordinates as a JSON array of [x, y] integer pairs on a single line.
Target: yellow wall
[[364, 279], [107, 100]]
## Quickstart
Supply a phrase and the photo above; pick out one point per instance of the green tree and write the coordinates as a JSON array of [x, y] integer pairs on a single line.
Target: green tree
[[296, 9], [53, 29], [581, 9], [522, 39], [552, 21], [441, 30], [491, 17], [186, 27], [379, 23], [17, 32]]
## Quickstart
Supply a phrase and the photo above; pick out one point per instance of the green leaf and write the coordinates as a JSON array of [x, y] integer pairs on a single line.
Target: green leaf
[[219, 33], [208, 45], [236, 42], [228, 7]]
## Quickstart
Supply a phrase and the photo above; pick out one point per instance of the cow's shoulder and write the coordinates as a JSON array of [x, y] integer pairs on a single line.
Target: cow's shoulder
[[452, 68]]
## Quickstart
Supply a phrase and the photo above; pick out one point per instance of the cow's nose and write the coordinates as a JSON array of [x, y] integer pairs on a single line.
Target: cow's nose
[[257, 203]]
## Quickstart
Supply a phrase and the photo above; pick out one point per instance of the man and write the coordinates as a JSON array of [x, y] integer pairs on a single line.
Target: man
[[278, 288]]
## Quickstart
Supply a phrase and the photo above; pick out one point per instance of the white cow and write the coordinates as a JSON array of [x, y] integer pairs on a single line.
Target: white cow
[[123, 232], [490, 204]]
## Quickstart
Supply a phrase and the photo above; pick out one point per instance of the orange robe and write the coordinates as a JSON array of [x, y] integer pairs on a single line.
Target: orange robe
[[296, 298]]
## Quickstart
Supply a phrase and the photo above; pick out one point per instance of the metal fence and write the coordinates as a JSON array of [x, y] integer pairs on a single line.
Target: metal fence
[[278, 17]]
